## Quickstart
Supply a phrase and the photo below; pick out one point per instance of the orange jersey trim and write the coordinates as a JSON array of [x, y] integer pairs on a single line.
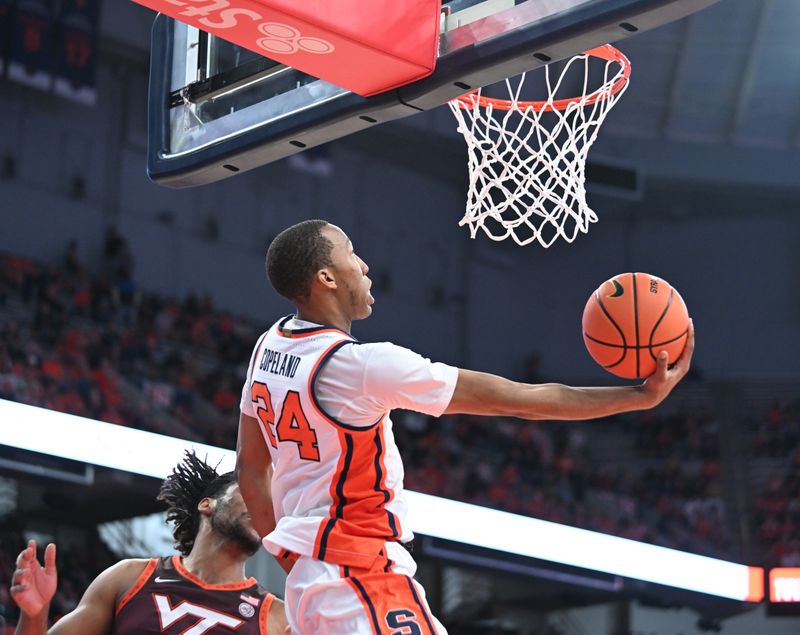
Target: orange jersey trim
[[263, 614], [289, 334], [144, 576], [389, 493], [306, 332], [233, 586], [369, 608], [337, 479], [358, 487], [358, 522]]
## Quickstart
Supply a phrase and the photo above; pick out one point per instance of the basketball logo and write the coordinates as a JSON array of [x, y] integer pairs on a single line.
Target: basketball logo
[[282, 39]]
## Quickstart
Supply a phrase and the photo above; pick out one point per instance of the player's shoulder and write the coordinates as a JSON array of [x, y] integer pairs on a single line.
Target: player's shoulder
[[117, 580], [386, 359], [371, 353], [129, 566], [390, 350], [379, 348], [127, 571]]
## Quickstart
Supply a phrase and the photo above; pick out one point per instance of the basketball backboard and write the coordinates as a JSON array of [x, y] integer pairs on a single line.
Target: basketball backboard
[[217, 109]]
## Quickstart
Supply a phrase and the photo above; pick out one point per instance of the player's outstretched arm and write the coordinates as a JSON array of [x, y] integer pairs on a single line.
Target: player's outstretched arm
[[485, 394]]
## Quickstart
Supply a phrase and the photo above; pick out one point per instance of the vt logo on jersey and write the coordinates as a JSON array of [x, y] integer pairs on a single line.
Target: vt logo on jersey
[[207, 618]]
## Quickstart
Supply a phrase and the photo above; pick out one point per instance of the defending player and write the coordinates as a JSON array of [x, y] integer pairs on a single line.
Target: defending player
[[205, 591], [316, 403]]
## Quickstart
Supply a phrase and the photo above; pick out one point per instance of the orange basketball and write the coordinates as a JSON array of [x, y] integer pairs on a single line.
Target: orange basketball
[[630, 319]]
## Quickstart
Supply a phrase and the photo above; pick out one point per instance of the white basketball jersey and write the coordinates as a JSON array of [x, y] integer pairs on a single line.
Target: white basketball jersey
[[337, 489]]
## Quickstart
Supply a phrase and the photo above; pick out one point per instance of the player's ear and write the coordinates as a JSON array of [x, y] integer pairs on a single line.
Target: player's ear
[[206, 506], [326, 278]]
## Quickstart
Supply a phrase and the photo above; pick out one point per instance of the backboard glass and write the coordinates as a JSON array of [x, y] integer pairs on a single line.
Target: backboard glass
[[217, 109]]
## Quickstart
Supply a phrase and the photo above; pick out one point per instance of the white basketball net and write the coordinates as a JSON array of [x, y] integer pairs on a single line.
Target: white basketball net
[[527, 160]]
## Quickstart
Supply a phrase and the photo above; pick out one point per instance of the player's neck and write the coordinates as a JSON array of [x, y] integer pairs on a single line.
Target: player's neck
[[326, 315], [216, 561]]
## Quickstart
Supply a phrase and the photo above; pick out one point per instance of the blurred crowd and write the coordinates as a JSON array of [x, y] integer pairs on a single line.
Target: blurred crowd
[[775, 464], [568, 474], [89, 341], [92, 343]]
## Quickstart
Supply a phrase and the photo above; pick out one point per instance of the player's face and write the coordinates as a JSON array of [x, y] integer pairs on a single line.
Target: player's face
[[232, 521], [351, 274]]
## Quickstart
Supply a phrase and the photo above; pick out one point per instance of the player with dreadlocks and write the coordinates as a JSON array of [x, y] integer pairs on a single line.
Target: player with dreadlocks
[[204, 590]]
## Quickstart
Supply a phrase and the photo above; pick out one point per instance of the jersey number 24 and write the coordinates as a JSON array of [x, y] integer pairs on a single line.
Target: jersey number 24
[[291, 426]]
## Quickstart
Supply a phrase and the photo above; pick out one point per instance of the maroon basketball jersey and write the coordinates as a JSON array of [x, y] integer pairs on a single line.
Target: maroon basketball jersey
[[167, 598]]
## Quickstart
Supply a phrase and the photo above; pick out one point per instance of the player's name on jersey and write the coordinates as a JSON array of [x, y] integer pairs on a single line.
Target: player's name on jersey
[[279, 363]]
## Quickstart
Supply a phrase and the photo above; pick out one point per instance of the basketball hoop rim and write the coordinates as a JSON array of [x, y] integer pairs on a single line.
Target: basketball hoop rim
[[606, 52]]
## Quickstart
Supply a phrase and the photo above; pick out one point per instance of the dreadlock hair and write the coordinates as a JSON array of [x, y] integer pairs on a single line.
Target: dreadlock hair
[[191, 481], [295, 255]]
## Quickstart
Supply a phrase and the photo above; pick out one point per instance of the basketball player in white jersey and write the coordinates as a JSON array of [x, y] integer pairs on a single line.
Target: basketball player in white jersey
[[316, 404]]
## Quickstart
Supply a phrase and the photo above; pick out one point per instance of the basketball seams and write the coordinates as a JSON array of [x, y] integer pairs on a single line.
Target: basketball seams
[[658, 321], [610, 345], [615, 325]]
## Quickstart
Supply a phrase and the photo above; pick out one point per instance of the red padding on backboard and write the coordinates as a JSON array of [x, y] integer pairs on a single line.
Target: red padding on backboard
[[366, 47]]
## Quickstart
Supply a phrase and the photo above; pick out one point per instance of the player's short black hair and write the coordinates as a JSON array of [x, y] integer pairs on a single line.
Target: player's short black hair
[[191, 481], [295, 255]]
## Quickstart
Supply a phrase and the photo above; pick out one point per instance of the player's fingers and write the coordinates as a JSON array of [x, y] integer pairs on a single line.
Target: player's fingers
[[27, 554], [688, 350], [50, 559], [690, 340], [18, 588], [662, 364], [21, 577]]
